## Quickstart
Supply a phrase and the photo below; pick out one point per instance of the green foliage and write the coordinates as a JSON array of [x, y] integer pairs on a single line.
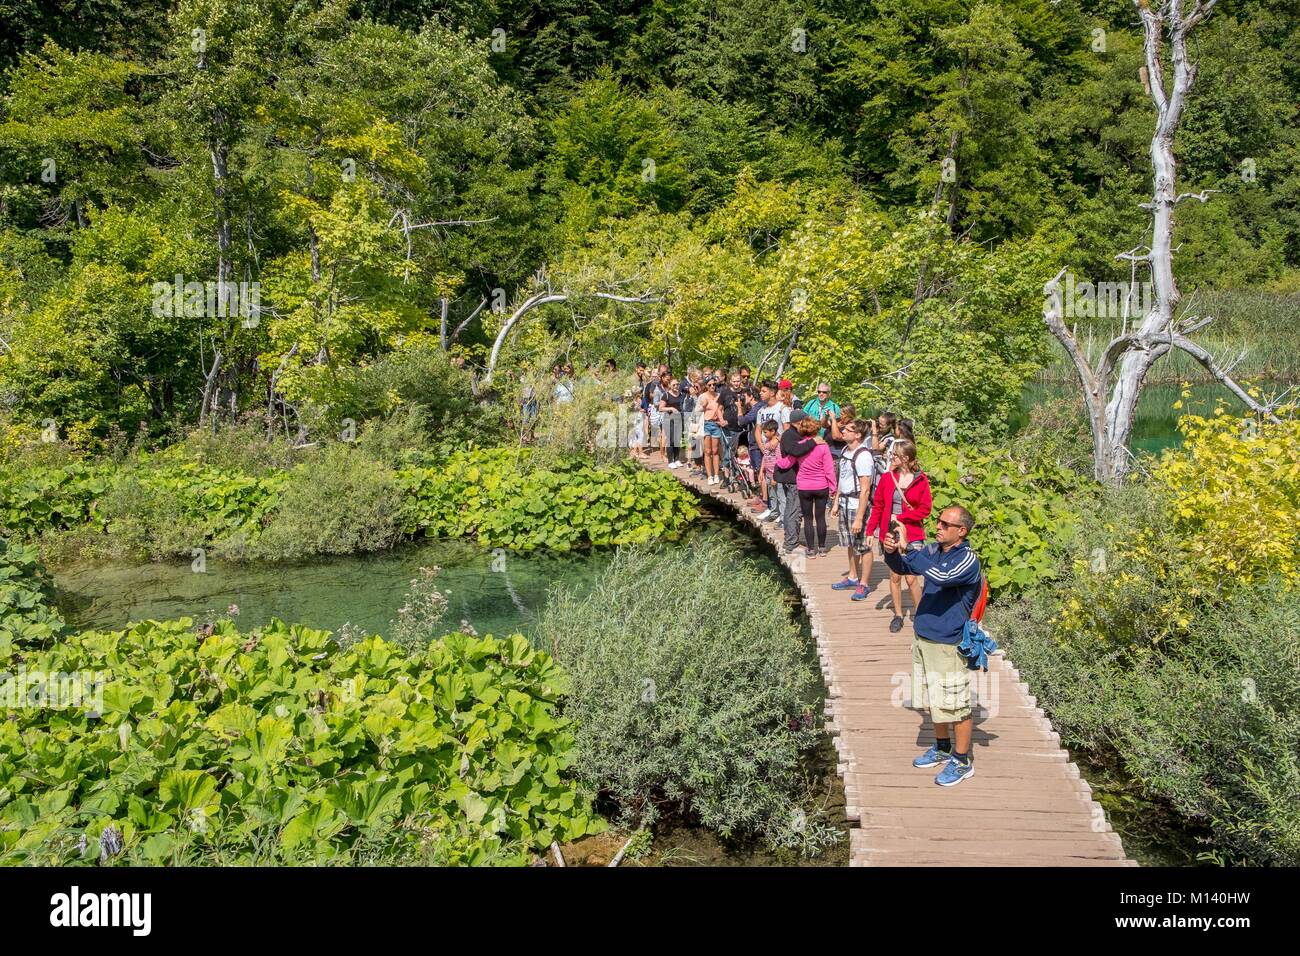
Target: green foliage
[[495, 496], [1166, 643], [38, 498], [340, 502], [416, 380], [346, 498], [1208, 725], [276, 747], [26, 615], [613, 154], [1022, 509], [692, 691]]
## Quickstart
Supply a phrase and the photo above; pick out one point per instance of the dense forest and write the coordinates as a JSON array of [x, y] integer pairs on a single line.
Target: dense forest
[[284, 284], [390, 175]]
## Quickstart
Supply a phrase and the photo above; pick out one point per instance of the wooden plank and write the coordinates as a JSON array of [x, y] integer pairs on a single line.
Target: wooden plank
[[1026, 805]]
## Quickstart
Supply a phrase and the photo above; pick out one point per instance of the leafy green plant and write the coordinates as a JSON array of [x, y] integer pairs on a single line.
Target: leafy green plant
[[495, 496], [346, 498], [277, 746], [26, 614], [34, 499], [1021, 508]]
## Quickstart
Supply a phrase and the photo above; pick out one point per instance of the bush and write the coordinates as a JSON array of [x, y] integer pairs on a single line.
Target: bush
[[419, 376], [1020, 508], [341, 502], [692, 691], [1208, 725], [1234, 496], [1168, 644], [278, 747], [497, 496], [580, 427]]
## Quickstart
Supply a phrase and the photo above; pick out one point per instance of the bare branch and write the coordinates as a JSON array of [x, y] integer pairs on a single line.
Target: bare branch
[[1202, 196], [1199, 13], [461, 328], [1190, 324], [1223, 375], [1133, 256], [448, 222]]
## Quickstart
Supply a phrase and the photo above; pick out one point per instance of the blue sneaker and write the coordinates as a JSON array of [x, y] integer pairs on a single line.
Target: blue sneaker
[[931, 758], [848, 584], [955, 771], [861, 593]]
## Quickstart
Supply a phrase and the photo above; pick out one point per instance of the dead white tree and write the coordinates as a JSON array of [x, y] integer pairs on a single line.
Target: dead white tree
[[1112, 388], [544, 297]]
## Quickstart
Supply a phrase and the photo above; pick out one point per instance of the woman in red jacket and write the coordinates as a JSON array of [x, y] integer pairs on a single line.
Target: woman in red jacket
[[903, 492]]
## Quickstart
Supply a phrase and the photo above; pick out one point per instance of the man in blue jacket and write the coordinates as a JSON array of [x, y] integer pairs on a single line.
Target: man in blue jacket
[[951, 574]]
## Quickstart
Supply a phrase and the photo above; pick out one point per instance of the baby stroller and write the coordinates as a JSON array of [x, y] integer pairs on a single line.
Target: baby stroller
[[737, 470]]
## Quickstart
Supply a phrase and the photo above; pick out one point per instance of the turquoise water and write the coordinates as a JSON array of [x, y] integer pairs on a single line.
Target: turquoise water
[[1156, 426], [496, 592]]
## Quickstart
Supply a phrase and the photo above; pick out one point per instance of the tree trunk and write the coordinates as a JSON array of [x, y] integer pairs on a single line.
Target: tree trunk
[[1123, 366]]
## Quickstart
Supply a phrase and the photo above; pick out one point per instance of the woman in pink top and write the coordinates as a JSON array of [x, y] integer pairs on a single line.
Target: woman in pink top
[[816, 481]]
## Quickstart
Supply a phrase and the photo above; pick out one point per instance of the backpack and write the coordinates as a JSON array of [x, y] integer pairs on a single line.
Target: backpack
[[853, 467]]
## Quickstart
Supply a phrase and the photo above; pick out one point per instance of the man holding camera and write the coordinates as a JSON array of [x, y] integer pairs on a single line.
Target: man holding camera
[[951, 574]]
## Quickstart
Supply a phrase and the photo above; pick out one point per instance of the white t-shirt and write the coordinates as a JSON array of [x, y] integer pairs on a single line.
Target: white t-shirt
[[774, 413], [859, 460]]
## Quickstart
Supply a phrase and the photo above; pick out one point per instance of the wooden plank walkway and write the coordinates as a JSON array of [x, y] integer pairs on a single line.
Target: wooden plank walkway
[[1026, 805]]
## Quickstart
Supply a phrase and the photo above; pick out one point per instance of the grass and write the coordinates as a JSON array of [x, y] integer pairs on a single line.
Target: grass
[[1265, 324]]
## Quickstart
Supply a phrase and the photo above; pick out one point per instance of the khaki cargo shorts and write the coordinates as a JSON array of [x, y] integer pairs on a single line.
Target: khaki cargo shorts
[[940, 681]]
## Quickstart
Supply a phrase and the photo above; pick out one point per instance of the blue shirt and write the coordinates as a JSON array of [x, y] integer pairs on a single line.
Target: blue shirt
[[952, 585]]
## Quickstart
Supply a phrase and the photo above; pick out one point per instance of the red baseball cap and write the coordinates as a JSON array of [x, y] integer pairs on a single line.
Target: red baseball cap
[[785, 383]]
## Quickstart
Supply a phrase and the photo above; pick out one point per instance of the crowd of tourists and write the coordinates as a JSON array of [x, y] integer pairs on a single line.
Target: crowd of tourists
[[807, 461]]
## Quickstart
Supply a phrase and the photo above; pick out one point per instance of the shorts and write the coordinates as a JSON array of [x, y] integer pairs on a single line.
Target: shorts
[[858, 542], [712, 429], [940, 681]]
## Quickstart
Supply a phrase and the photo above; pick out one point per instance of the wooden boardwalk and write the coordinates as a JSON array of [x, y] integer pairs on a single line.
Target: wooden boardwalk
[[1026, 805]]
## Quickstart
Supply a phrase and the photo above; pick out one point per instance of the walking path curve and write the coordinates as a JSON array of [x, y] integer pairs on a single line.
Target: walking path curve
[[1026, 805]]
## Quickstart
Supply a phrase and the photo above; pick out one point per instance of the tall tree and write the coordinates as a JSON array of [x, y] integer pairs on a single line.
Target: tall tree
[[1111, 390]]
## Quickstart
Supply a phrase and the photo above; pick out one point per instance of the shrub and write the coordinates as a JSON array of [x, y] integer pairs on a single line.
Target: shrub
[[163, 508], [1234, 493], [341, 502], [1020, 508], [1208, 725], [692, 690], [577, 428], [420, 376], [497, 496], [276, 746]]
